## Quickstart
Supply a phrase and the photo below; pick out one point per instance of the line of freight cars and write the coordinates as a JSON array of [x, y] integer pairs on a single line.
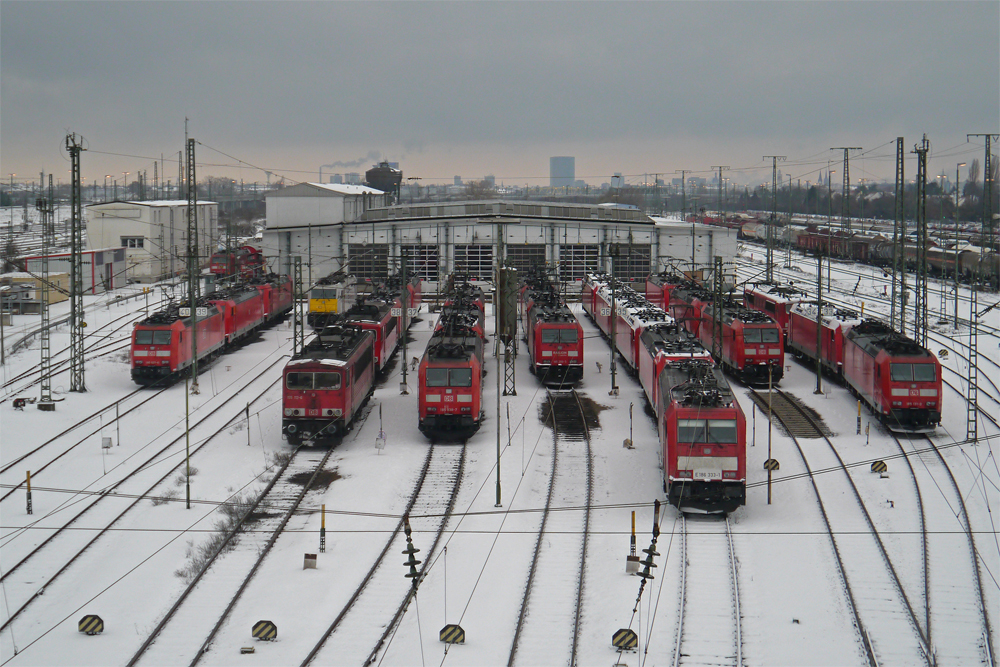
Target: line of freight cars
[[161, 343], [552, 333], [701, 428], [877, 249], [326, 384]]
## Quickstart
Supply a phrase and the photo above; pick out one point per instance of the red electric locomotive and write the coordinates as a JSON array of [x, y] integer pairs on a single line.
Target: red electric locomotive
[[774, 300], [686, 304], [703, 438], [661, 344], [243, 308], [450, 405], [276, 291], [326, 384], [374, 313], [834, 324], [751, 343], [161, 343], [894, 375], [244, 263], [632, 314], [554, 337], [660, 285]]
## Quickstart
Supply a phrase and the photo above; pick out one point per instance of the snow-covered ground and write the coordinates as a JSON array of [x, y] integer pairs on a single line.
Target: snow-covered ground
[[794, 607]]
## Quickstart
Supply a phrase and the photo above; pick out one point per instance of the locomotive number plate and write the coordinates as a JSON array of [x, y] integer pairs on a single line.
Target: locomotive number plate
[[708, 474], [449, 399], [605, 312]]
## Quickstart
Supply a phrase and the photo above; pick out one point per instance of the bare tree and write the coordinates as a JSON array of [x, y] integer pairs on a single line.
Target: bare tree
[[476, 190]]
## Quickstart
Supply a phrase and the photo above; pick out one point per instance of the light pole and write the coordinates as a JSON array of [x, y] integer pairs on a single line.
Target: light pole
[[106, 177], [957, 167], [125, 184]]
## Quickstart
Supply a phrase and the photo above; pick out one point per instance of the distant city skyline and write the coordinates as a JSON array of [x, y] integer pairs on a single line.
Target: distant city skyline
[[642, 89]]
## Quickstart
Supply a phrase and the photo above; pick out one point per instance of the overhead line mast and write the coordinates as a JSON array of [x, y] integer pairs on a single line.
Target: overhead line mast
[[845, 200], [920, 300], [774, 215], [76, 375]]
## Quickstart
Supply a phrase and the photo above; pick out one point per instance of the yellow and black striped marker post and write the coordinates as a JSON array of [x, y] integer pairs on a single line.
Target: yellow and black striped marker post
[[452, 634], [265, 630], [771, 464], [879, 466], [625, 639], [91, 624]]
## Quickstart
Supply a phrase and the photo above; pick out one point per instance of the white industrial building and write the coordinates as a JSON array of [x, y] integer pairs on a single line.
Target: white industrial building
[[441, 238], [102, 270], [153, 234]]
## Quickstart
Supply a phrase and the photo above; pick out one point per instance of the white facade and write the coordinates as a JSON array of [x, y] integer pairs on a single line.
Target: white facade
[[153, 233], [103, 270], [462, 236], [315, 204]]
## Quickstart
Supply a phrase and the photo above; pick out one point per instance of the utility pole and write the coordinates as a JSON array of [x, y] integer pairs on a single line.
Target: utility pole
[[683, 193], [898, 231], [955, 272], [46, 211], [769, 278], [717, 312], [614, 320], [920, 291], [194, 266], [722, 217], [845, 203], [972, 410], [819, 322], [788, 249], [76, 381]]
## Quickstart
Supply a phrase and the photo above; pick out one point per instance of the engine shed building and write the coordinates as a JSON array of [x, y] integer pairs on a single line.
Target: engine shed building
[[153, 234], [440, 238]]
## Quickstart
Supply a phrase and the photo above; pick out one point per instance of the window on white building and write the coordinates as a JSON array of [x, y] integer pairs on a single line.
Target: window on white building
[[132, 241]]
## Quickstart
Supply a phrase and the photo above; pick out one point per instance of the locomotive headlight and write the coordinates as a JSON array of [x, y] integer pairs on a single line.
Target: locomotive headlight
[[293, 412]]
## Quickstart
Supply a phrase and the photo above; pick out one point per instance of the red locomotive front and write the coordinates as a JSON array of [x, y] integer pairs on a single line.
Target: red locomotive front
[[660, 285], [703, 438], [751, 343], [899, 379], [326, 384], [775, 301], [450, 379], [161, 343], [661, 344]]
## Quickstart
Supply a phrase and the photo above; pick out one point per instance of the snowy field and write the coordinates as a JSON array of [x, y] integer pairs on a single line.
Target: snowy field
[[793, 604]]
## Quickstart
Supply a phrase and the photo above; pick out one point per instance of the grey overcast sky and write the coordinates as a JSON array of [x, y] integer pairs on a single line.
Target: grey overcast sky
[[476, 88]]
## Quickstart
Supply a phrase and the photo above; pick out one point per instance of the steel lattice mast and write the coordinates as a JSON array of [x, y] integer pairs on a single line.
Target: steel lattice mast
[[194, 265], [76, 381], [920, 289], [898, 231], [972, 409], [845, 199], [45, 208], [769, 276]]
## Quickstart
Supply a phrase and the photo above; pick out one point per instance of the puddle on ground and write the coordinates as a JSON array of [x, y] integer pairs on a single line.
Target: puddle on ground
[[563, 407], [324, 479]]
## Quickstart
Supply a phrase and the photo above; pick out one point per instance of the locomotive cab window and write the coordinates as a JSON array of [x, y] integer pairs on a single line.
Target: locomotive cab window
[[751, 335], [329, 381], [567, 336], [901, 372], [923, 373], [461, 377], [691, 430], [550, 335], [437, 377], [701, 431], [769, 335], [722, 430], [299, 381]]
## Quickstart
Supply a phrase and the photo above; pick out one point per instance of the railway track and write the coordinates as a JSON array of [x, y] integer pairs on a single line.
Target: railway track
[[709, 595], [889, 630], [953, 590], [131, 486], [197, 606], [548, 640], [352, 638]]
